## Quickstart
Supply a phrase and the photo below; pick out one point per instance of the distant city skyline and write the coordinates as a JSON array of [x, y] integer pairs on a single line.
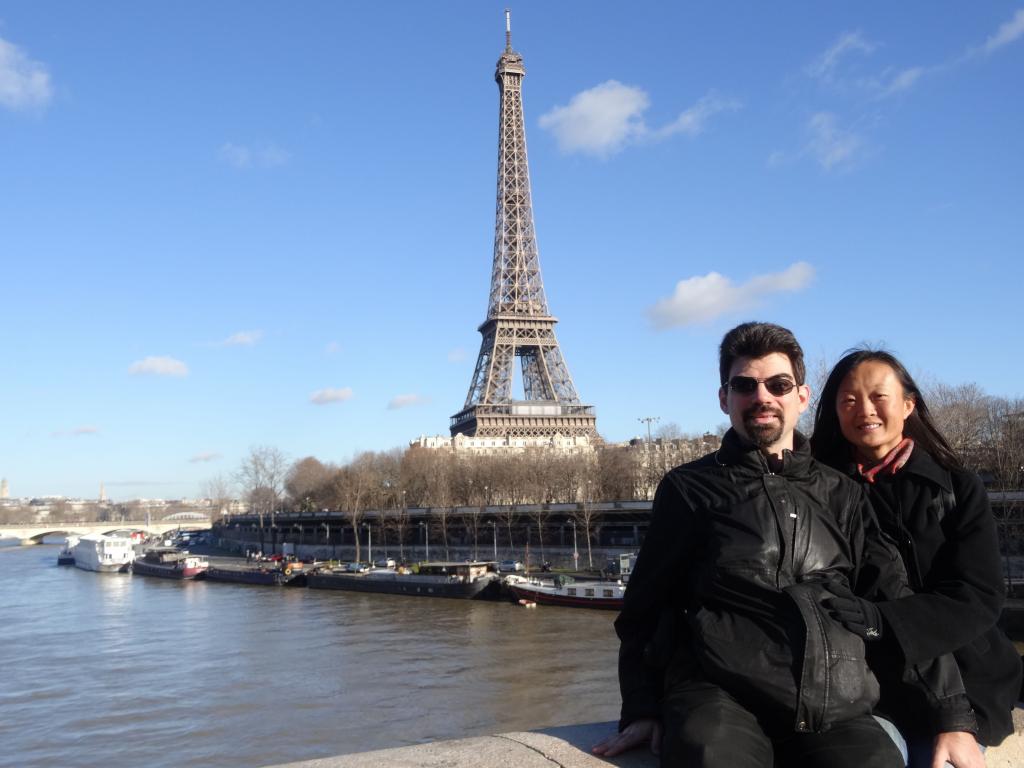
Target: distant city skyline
[[248, 224]]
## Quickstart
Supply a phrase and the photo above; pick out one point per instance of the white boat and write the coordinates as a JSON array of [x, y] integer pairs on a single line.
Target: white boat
[[106, 554]]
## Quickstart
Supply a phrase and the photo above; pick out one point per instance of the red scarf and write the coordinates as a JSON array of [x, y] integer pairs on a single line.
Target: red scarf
[[892, 463]]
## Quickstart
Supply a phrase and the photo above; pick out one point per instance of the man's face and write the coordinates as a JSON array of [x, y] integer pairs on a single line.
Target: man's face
[[767, 420]]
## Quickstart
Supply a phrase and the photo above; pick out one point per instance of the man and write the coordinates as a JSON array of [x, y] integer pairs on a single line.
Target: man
[[730, 653]]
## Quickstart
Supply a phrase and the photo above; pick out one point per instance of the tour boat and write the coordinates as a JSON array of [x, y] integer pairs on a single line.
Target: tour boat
[[564, 590], [170, 563], [106, 554], [66, 556], [464, 580]]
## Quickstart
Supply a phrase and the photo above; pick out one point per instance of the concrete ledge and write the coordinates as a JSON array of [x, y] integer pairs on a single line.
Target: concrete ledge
[[562, 747]]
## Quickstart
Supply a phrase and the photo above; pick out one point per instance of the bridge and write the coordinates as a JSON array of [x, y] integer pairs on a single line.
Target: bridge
[[35, 533]]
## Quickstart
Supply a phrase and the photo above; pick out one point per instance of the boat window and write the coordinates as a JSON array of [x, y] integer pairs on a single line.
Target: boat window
[[589, 593], [607, 593], [572, 591]]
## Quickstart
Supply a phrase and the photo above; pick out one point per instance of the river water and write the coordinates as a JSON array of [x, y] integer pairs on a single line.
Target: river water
[[116, 669]]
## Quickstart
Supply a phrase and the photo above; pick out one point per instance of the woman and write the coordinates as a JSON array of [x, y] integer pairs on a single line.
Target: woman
[[873, 424]]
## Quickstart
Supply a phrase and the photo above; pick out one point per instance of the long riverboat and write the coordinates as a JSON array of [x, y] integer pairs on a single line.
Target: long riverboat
[[566, 591], [104, 554], [170, 563], [269, 574], [462, 580]]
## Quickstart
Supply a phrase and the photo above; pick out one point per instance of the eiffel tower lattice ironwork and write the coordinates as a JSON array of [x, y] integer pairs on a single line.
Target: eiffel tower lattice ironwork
[[518, 323]]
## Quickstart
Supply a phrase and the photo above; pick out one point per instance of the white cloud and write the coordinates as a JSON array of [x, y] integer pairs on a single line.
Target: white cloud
[[201, 458], [824, 67], [830, 144], [24, 83], [159, 366], [705, 297], [329, 395], [242, 339], [1007, 33], [604, 119], [692, 121], [457, 355], [598, 121], [904, 80], [404, 401], [76, 432], [243, 157]]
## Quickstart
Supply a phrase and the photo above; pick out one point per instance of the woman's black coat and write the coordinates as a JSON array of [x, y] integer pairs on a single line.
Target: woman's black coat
[[943, 526]]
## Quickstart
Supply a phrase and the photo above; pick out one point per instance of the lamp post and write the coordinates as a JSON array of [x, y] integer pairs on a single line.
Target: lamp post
[[426, 541], [494, 530], [401, 529], [575, 551], [369, 543], [648, 420]]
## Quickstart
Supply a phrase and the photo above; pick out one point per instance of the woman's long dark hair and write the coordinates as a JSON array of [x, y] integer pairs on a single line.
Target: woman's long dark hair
[[828, 443]]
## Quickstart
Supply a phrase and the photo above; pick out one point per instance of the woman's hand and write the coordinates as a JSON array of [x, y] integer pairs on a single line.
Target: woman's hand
[[636, 733], [959, 748]]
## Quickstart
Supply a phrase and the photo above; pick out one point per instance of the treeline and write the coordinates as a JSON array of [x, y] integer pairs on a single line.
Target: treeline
[[421, 477]]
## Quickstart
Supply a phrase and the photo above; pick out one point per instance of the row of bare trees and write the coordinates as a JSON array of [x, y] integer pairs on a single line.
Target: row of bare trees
[[444, 481]]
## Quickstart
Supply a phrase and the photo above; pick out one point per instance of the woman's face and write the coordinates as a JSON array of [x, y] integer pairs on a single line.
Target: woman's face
[[872, 408]]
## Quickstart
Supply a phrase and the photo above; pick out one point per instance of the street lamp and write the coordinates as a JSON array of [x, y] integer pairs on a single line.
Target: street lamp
[[494, 529], [649, 420], [575, 551], [369, 543], [426, 540]]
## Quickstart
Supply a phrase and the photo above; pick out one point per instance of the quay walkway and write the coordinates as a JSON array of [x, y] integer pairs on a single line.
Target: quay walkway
[[562, 747]]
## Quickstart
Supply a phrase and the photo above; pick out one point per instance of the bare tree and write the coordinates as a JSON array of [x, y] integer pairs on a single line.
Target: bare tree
[[960, 413], [818, 370], [306, 484], [218, 489], [585, 516], [261, 479]]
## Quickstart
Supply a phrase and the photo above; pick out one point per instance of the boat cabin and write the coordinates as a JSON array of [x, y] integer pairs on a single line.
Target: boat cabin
[[456, 571]]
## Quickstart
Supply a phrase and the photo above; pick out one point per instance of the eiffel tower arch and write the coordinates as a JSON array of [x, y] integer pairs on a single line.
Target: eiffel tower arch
[[518, 323]]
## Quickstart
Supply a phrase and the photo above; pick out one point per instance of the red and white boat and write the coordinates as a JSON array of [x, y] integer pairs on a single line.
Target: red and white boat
[[564, 590], [170, 563]]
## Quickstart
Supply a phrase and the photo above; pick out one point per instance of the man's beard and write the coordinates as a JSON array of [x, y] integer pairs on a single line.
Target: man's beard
[[763, 435]]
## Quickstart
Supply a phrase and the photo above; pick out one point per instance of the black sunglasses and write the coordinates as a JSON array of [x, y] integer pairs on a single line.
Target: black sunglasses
[[778, 385]]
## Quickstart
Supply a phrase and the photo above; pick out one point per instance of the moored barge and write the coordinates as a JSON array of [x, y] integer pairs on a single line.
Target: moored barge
[[170, 563], [565, 591], [472, 580], [274, 575]]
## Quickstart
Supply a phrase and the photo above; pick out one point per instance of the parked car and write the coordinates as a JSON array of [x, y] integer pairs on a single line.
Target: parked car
[[510, 566], [384, 562], [356, 567]]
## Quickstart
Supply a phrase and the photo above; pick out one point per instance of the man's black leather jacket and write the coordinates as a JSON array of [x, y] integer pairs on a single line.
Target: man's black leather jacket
[[729, 585]]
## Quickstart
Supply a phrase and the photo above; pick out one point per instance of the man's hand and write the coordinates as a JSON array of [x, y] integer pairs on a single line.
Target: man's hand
[[635, 734], [860, 616], [959, 748]]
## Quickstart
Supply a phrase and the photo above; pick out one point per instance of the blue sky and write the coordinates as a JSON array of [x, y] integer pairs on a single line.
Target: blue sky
[[253, 223]]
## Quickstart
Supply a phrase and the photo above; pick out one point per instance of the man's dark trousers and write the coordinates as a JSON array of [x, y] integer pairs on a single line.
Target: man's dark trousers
[[705, 727]]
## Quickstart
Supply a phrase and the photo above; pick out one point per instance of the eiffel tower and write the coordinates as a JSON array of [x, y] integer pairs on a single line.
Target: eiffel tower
[[518, 323]]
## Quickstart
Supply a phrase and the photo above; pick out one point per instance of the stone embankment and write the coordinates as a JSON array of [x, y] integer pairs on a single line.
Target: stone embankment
[[563, 747]]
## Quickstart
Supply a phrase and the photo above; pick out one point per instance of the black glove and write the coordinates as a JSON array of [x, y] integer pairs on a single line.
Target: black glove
[[860, 616]]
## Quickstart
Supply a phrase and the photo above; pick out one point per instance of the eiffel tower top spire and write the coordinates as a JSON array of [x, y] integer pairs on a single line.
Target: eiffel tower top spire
[[516, 285], [518, 323]]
